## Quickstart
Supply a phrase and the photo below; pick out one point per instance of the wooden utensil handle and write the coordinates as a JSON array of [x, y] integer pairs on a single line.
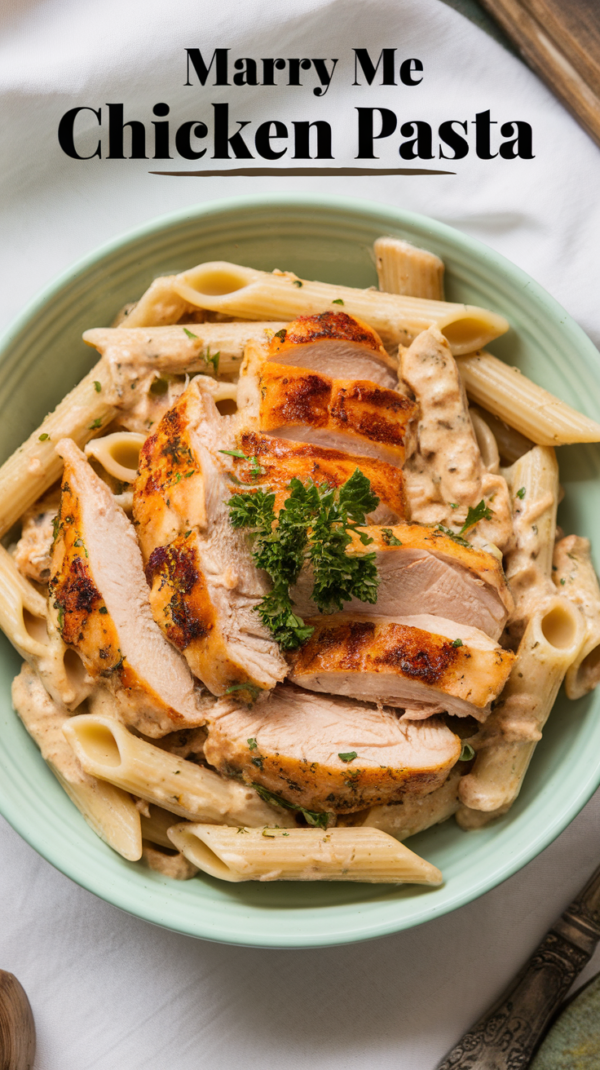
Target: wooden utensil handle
[[17, 1029], [506, 1037]]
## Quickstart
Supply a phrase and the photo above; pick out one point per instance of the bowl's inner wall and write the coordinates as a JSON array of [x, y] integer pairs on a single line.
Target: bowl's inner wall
[[44, 357]]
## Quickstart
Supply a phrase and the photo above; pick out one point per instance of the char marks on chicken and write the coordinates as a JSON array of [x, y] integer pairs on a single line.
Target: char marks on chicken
[[204, 586], [99, 600], [424, 664], [305, 406], [281, 461]]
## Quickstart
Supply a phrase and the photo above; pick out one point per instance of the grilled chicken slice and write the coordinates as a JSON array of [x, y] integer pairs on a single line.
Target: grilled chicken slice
[[335, 344], [175, 489], [205, 604], [204, 585], [421, 570], [422, 663], [307, 406], [290, 743], [282, 461], [99, 595]]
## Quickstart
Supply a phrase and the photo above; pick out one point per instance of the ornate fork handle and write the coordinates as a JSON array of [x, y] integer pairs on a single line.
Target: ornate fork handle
[[506, 1037]]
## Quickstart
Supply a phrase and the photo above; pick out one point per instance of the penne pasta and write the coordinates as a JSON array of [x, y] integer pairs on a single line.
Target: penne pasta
[[110, 812], [575, 577], [249, 294], [488, 447], [533, 482], [24, 621], [403, 268], [159, 305], [506, 742], [522, 404], [35, 466], [348, 854], [154, 828], [511, 444], [107, 750], [118, 453], [179, 349], [415, 813]]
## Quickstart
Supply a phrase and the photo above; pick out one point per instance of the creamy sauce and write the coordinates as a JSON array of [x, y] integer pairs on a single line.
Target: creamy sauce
[[447, 475]]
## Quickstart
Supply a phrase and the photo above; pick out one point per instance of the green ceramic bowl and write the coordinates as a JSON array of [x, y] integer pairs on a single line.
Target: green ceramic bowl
[[42, 357]]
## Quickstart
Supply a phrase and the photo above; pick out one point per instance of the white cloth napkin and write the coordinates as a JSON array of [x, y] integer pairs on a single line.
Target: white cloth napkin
[[110, 991]]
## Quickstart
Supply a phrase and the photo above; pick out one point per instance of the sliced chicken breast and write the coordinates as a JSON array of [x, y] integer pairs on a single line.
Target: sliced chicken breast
[[99, 595], [204, 585], [422, 663], [291, 742], [307, 406], [335, 344], [421, 570], [206, 606], [281, 461], [175, 490]]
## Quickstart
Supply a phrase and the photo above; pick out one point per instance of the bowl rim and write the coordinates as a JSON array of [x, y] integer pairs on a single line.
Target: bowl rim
[[383, 214]]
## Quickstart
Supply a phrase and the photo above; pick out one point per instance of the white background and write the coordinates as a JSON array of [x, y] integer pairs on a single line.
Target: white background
[[109, 991]]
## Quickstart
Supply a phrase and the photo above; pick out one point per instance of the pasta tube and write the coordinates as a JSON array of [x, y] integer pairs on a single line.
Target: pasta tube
[[575, 578], [524, 405], [110, 812], [107, 750], [507, 740], [35, 466], [180, 349], [511, 444], [154, 828], [415, 813], [24, 621], [159, 305], [488, 447], [403, 268], [249, 294], [118, 453], [533, 482], [344, 854]]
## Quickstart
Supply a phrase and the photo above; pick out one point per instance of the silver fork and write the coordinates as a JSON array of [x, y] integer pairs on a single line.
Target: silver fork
[[507, 1035]]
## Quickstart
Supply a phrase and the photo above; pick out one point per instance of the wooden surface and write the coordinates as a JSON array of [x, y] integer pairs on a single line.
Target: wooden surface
[[560, 40], [475, 13], [17, 1031]]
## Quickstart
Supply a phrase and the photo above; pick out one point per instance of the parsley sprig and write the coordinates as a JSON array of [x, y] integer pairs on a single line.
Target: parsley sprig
[[313, 528], [253, 690], [480, 512], [256, 469], [206, 356], [474, 515]]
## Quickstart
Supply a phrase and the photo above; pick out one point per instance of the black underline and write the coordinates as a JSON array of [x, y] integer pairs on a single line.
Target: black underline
[[292, 172]]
